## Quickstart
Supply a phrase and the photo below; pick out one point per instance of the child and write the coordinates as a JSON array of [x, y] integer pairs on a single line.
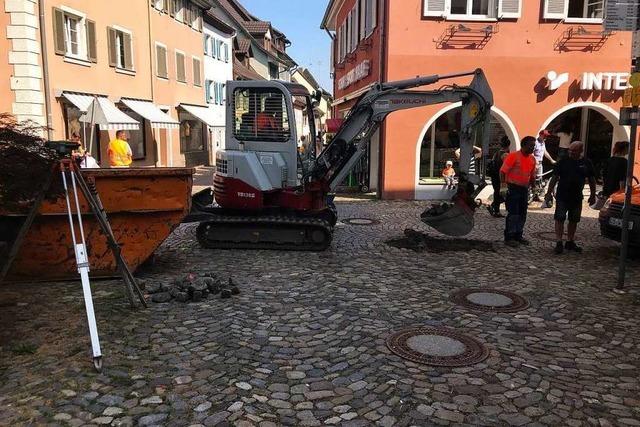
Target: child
[[448, 173]]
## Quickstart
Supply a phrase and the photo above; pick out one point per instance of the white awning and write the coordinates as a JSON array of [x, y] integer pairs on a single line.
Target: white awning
[[103, 112], [204, 114], [149, 111]]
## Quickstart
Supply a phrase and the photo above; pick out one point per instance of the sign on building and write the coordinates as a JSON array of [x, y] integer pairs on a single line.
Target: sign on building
[[358, 73], [622, 15]]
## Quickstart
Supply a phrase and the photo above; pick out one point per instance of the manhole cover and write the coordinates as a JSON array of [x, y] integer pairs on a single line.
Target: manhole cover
[[549, 236], [360, 221], [490, 300], [437, 347]]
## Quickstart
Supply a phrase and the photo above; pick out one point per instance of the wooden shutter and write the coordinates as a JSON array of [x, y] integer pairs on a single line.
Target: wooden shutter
[[161, 61], [207, 90], [196, 72], [180, 68], [128, 51], [92, 49], [58, 31], [165, 6], [172, 7], [435, 7], [556, 9], [113, 50], [509, 9]]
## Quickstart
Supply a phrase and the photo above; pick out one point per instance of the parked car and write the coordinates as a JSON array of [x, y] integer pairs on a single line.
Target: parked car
[[611, 218]]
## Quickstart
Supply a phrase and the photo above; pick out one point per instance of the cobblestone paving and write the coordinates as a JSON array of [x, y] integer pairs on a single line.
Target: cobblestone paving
[[304, 343]]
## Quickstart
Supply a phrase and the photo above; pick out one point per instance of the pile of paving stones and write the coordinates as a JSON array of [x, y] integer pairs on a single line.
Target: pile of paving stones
[[192, 288]]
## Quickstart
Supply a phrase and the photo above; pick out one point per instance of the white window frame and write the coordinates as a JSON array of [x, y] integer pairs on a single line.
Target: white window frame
[[179, 12], [373, 11], [118, 64], [469, 16], [355, 26], [495, 7], [82, 54], [362, 31], [159, 4], [166, 60], [207, 45], [574, 20]]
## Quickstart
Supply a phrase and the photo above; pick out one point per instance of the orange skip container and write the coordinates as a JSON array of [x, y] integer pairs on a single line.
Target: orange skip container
[[143, 206]]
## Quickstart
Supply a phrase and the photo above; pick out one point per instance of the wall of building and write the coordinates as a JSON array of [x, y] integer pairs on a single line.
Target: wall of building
[[169, 92], [20, 62], [516, 60]]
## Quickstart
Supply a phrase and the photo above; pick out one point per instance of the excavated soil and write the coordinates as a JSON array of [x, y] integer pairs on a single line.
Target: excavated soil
[[421, 242]]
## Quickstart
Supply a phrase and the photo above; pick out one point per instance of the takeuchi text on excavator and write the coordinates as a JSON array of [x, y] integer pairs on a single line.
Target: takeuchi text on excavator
[[268, 195]]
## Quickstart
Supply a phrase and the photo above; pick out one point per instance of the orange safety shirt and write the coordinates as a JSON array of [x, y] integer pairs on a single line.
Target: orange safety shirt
[[119, 153], [519, 169]]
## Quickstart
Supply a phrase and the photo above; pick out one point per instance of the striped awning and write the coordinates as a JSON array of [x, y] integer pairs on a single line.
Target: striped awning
[[101, 111], [158, 118], [204, 114]]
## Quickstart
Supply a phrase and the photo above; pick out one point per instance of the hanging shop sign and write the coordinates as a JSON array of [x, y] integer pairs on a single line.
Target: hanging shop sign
[[358, 73]]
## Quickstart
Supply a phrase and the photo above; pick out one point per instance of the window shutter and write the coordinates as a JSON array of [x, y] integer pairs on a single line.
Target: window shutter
[[206, 45], [435, 7], [206, 91], [92, 49], [219, 54], [180, 68], [165, 6], [113, 53], [226, 52], [356, 22], [196, 72], [128, 51], [374, 14], [509, 9], [172, 7], [556, 9], [58, 31], [161, 61], [223, 95]]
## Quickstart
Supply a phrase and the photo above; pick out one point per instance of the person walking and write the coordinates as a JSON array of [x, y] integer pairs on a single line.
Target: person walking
[[615, 171], [540, 152], [119, 150], [570, 174], [517, 173], [494, 174]]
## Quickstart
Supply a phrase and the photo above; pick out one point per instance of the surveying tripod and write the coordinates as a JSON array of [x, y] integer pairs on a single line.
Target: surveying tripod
[[71, 180]]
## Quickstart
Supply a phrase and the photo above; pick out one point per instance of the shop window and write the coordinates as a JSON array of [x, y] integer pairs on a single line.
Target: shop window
[[120, 49], [441, 141], [74, 35], [261, 115], [137, 138], [192, 134], [80, 131]]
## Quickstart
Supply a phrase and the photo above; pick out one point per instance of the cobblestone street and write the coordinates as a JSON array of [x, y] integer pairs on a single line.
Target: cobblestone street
[[304, 342]]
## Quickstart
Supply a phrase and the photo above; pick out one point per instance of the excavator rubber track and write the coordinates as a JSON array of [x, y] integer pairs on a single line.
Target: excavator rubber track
[[265, 232]]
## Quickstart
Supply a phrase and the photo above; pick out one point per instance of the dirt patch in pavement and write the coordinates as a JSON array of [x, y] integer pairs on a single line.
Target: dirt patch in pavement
[[421, 242]]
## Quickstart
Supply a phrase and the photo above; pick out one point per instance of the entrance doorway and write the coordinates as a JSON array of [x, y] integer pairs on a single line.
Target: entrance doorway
[[596, 126]]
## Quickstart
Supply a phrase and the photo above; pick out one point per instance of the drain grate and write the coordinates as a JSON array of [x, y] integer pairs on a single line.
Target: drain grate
[[549, 236], [360, 221], [493, 300], [437, 347]]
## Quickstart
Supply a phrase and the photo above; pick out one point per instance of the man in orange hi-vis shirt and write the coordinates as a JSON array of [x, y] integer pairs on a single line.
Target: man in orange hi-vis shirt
[[119, 150], [517, 173]]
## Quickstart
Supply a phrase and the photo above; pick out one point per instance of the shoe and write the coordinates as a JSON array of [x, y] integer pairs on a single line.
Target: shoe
[[571, 246], [524, 242], [512, 243], [559, 248]]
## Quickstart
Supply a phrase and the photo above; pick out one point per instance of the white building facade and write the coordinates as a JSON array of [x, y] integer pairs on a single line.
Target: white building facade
[[218, 69]]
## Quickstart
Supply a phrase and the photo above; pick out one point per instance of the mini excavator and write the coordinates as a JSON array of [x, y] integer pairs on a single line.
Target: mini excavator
[[268, 195]]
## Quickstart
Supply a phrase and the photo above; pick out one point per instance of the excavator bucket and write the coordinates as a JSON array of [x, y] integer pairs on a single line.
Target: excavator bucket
[[453, 219]]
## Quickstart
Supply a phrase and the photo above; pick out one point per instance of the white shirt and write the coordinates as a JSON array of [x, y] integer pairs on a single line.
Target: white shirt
[[89, 162], [565, 139]]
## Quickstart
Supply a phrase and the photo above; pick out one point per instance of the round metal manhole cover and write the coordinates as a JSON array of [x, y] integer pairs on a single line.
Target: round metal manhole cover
[[549, 236], [360, 221], [493, 300], [437, 347]]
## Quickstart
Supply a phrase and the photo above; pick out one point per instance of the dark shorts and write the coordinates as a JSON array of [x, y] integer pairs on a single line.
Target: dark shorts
[[571, 210]]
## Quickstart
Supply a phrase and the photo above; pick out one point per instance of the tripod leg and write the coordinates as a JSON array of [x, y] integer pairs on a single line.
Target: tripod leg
[[82, 262], [93, 198]]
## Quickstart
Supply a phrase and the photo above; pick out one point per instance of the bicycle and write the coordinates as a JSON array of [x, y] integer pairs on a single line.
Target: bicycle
[[539, 190]]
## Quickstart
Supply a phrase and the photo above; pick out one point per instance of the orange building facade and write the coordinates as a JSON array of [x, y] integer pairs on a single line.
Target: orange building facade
[[141, 61], [550, 63]]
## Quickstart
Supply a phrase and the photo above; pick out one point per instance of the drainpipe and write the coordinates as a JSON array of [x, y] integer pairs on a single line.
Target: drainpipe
[[156, 151], [382, 78], [45, 71]]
